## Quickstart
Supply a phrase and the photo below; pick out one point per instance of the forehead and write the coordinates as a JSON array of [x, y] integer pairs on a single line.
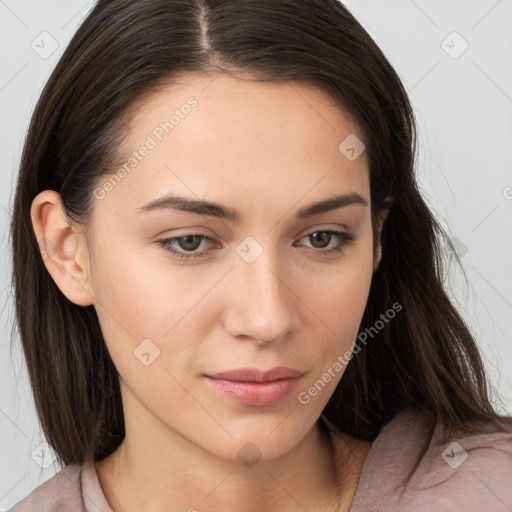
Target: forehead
[[227, 138]]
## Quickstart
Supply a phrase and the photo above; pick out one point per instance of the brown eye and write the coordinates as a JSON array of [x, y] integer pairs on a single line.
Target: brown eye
[[183, 247], [322, 238], [189, 242]]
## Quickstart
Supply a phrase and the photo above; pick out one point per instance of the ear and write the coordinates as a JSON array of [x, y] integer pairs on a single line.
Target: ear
[[63, 247], [382, 215]]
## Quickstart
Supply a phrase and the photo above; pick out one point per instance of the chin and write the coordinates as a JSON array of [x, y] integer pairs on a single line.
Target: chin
[[262, 441]]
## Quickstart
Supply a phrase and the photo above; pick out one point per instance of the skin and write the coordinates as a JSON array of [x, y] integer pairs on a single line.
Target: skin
[[267, 150]]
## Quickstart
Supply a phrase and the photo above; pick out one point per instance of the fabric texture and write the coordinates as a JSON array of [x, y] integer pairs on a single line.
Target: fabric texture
[[470, 473]]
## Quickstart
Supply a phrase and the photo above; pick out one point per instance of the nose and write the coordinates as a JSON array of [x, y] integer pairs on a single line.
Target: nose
[[262, 305]]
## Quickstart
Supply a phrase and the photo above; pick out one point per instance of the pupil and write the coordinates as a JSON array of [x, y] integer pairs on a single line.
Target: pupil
[[321, 236], [189, 239]]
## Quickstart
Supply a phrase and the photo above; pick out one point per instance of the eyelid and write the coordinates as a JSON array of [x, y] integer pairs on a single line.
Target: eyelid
[[179, 232], [307, 231], [345, 238], [330, 227]]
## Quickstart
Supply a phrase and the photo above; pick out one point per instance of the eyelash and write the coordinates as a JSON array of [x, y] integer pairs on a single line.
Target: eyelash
[[167, 243]]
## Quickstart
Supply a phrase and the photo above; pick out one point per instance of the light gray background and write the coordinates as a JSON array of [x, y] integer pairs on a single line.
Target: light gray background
[[464, 110]]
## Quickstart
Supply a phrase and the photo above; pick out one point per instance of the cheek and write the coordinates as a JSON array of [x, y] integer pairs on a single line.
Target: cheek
[[338, 304], [141, 295], [138, 288], [352, 295], [135, 299], [339, 296]]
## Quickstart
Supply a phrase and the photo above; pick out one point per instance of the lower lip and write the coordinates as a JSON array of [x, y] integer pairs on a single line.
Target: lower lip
[[255, 393]]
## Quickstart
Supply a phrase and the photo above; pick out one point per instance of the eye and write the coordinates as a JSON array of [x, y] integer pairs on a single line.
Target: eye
[[188, 242], [184, 246], [321, 239]]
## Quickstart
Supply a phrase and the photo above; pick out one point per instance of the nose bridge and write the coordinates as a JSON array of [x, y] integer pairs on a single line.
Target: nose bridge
[[262, 306]]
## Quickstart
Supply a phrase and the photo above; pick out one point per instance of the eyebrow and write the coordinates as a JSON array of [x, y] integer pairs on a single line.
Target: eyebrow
[[212, 209]]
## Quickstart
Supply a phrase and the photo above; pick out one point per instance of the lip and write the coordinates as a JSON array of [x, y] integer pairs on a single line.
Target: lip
[[250, 386]]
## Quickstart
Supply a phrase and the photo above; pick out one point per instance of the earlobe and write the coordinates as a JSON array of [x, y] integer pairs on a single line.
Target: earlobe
[[63, 248]]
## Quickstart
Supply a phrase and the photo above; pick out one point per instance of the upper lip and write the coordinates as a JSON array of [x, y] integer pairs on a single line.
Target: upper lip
[[256, 375]]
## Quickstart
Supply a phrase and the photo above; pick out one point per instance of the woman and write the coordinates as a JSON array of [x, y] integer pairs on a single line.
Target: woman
[[228, 287]]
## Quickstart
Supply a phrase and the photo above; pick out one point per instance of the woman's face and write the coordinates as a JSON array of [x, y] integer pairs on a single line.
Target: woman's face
[[271, 286]]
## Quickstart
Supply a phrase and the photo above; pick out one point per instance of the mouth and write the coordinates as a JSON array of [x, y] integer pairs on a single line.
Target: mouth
[[253, 387]]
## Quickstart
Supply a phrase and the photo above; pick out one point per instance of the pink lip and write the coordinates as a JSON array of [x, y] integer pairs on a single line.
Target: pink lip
[[250, 386]]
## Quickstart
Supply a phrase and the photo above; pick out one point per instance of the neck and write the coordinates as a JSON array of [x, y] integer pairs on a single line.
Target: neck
[[165, 471], [139, 477]]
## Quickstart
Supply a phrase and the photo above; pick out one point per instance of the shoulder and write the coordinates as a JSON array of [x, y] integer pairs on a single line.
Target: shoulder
[[60, 493], [472, 469], [413, 465]]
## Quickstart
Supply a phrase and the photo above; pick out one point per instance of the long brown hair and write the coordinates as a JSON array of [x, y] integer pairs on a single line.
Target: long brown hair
[[425, 359]]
